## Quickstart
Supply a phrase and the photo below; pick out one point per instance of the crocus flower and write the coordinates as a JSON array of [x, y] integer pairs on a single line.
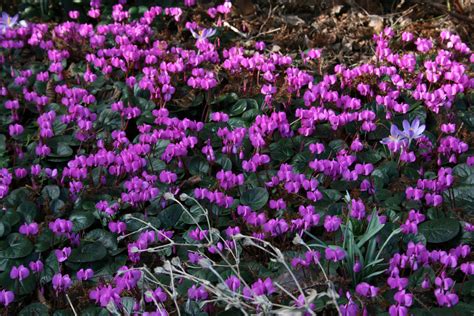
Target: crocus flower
[[395, 140], [8, 22], [412, 131], [203, 34]]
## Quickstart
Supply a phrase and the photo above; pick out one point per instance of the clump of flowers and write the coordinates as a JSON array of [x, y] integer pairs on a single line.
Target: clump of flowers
[[158, 173]]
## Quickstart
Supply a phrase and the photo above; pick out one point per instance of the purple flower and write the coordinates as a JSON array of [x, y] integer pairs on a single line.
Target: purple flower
[[29, 229], [197, 293], [412, 131], [158, 295], [332, 223], [203, 34], [349, 309], [197, 234], [84, 275], [61, 282], [357, 209], [104, 294], [127, 278], [8, 22], [20, 273], [395, 140], [6, 297], [398, 310], [233, 283], [261, 287], [36, 266], [335, 254], [447, 299], [62, 254], [367, 290], [403, 298]]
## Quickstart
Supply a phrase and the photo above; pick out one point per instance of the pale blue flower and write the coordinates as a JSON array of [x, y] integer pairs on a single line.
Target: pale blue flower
[[203, 33], [413, 130], [8, 22]]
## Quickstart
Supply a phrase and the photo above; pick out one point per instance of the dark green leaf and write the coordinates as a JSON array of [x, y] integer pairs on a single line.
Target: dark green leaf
[[88, 253], [81, 220], [256, 198], [18, 247], [439, 230]]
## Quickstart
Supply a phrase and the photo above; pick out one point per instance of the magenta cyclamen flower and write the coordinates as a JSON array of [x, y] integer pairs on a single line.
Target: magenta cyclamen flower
[[233, 283], [61, 282], [197, 293], [84, 275], [105, 294], [157, 295], [261, 287], [20, 273], [62, 254], [36, 266], [198, 234], [334, 254], [29, 229], [6, 297], [332, 223], [367, 290]]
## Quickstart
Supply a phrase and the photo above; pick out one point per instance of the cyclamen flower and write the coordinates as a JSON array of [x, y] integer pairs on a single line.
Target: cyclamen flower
[[6, 297], [158, 295], [334, 254], [357, 209], [233, 283], [197, 293], [351, 308], [367, 290], [62, 254], [117, 227], [105, 294], [332, 223], [261, 287], [198, 234], [36, 266], [127, 278], [447, 299], [61, 282], [20, 273], [84, 275], [29, 229]]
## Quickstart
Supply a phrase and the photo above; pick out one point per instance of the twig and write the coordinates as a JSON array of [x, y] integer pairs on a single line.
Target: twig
[[235, 30], [72, 306]]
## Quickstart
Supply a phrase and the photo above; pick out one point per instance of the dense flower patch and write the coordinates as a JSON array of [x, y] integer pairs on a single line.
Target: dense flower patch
[[158, 163]]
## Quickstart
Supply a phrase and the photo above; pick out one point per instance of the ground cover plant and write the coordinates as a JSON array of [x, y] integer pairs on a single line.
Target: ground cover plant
[[153, 164]]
